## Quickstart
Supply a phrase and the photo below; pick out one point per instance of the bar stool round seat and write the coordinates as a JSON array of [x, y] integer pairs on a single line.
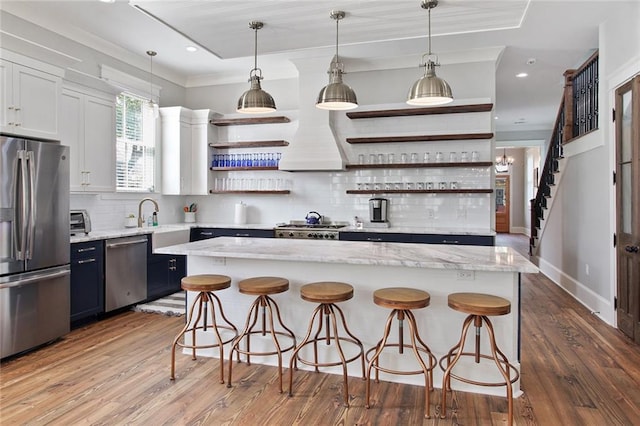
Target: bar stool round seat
[[479, 307], [205, 285], [401, 301], [327, 294], [266, 306]]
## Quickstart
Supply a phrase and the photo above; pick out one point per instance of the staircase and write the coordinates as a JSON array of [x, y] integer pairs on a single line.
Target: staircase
[[577, 116]]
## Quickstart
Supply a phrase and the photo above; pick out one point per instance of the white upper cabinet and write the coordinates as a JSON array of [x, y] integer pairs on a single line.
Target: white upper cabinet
[[29, 100], [185, 159], [88, 127]]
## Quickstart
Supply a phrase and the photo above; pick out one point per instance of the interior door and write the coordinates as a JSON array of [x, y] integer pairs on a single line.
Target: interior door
[[502, 203], [628, 208]]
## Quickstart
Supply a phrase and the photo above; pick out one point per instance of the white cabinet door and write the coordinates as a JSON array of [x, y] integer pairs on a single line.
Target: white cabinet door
[[6, 97], [184, 151], [88, 128], [36, 96], [99, 144], [72, 135]]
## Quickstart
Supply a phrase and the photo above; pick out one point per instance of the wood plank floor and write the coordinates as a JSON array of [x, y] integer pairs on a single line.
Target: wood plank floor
[[576, 370]]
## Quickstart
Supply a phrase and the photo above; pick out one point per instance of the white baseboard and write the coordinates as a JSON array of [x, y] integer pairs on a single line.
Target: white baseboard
[[595, 303], [520, 230]]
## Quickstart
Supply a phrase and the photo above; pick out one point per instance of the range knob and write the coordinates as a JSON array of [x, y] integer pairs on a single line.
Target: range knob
[[332, 236], [281, 234], [311, 235], [290, 234]]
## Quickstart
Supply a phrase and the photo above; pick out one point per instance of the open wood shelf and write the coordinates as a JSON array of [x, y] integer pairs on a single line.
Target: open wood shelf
[[251, 191], [249, 120], [404, 112], [419, 191], [421, 138], [248, 144], [232, 169], [418, 165]]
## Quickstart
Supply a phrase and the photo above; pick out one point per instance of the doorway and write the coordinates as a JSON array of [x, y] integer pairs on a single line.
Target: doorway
[[503, 224], [627, 125]]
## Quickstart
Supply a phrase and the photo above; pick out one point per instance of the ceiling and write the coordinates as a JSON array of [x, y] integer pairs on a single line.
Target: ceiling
[[556, 34]]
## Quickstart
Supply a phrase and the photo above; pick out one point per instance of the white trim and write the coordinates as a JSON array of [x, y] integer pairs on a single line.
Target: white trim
[[597, 304], [519, 230], [129, 83], [584, 143]]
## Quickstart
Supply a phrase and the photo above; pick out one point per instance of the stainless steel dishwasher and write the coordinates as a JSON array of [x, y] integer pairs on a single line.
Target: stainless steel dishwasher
[[125, 271]]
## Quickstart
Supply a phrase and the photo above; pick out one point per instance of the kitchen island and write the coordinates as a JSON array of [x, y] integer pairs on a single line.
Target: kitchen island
[[438, 269]]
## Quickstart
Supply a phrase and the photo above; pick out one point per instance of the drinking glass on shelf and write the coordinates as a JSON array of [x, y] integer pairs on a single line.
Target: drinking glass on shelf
[[390, 158], [278, 157], [453, 185], [475, 156], [464, 157], [439, 157], [426, 157], [414, 157], [403, 158], [420, 185], [377, 186], [409, 185], [388, 186], [453, 157], [360, 158], [442, 185], [380, 158], [372, 159], [429, 185], [359, 186], [397, 185]]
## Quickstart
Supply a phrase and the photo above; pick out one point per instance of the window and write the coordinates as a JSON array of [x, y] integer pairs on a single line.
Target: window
[[135, 144]]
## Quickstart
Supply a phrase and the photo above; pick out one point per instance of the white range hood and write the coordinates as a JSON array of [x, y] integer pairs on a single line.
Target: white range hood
[[314, 146]]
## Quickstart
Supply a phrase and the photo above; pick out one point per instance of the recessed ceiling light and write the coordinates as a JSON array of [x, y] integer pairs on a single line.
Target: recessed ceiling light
[[522, 75], [108, 1], [191, 48], [495, 118]]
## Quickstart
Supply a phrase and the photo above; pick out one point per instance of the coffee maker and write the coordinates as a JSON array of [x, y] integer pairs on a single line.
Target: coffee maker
[[378, 209]]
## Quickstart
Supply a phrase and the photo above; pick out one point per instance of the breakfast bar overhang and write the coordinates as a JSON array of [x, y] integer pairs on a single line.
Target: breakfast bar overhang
[[368, 266]]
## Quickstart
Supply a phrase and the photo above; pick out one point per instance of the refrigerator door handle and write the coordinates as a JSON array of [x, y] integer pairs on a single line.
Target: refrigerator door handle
[[32, 205], [20, 220], [36, 278]]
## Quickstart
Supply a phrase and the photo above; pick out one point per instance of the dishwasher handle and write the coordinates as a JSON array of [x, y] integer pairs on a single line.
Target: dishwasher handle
[[126, 243]]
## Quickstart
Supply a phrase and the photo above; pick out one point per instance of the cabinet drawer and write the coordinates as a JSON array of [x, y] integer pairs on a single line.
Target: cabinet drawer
[[387, 237]]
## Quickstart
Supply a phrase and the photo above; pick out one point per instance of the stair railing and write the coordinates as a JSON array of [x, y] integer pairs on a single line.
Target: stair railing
[[577, 116]]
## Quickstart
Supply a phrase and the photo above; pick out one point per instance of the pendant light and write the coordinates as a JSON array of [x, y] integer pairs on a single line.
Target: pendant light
[[152, 104], [255, 100], [336, 95], [430, 89]]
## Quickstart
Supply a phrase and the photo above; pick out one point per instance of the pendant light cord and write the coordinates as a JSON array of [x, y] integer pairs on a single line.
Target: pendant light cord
[[255, 49], [429, 26], [337, 29]]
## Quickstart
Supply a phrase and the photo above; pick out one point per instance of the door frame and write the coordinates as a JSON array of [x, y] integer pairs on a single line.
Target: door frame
[[507, 177], [631, 330]]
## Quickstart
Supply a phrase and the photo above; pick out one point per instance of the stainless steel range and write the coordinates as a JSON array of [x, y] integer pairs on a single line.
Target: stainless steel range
[[302, 230]]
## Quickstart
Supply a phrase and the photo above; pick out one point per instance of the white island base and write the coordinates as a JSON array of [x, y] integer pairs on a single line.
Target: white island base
[[368, 266]]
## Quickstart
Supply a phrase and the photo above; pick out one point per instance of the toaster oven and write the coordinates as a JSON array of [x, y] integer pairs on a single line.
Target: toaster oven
[[79, 222]]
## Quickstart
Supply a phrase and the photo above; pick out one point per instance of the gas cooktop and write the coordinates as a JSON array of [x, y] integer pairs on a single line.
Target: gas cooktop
[[303, 230]]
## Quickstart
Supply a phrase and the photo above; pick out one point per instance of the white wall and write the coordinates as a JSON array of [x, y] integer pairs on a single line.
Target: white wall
[[578, 237], [326, 191]]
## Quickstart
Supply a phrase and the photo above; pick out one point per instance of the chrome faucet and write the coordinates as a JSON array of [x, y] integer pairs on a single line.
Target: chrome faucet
[[140, 221]]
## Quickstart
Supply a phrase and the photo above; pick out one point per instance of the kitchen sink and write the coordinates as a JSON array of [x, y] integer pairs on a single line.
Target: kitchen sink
[[168, 236]]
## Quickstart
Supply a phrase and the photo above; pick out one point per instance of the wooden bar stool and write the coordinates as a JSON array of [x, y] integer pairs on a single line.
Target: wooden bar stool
[[205, 285], [327, 294], [402, 300], [479, 307], [262, 287]]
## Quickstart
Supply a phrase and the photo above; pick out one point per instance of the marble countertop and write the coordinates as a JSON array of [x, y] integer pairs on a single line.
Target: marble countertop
[[432, 256], [126, 232]]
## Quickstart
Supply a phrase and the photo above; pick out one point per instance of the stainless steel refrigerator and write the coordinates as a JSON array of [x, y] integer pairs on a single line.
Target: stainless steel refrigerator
[[34, 243]]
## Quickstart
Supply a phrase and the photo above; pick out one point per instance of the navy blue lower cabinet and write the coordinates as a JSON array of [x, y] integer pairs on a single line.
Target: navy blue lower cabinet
[[198, 234], [387, 237], [468, 240], [87, 281]]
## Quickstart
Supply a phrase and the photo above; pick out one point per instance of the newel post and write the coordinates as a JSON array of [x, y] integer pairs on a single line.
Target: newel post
[[567, 131]]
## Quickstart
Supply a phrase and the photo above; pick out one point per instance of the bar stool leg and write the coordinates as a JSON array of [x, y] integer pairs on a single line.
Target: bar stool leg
[[446, 379], [177, 339], [355, 339], [294, 355], [504, 371], [374, 360]]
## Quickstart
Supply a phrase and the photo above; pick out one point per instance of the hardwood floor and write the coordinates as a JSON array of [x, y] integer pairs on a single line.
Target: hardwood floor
[[576, 370]]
